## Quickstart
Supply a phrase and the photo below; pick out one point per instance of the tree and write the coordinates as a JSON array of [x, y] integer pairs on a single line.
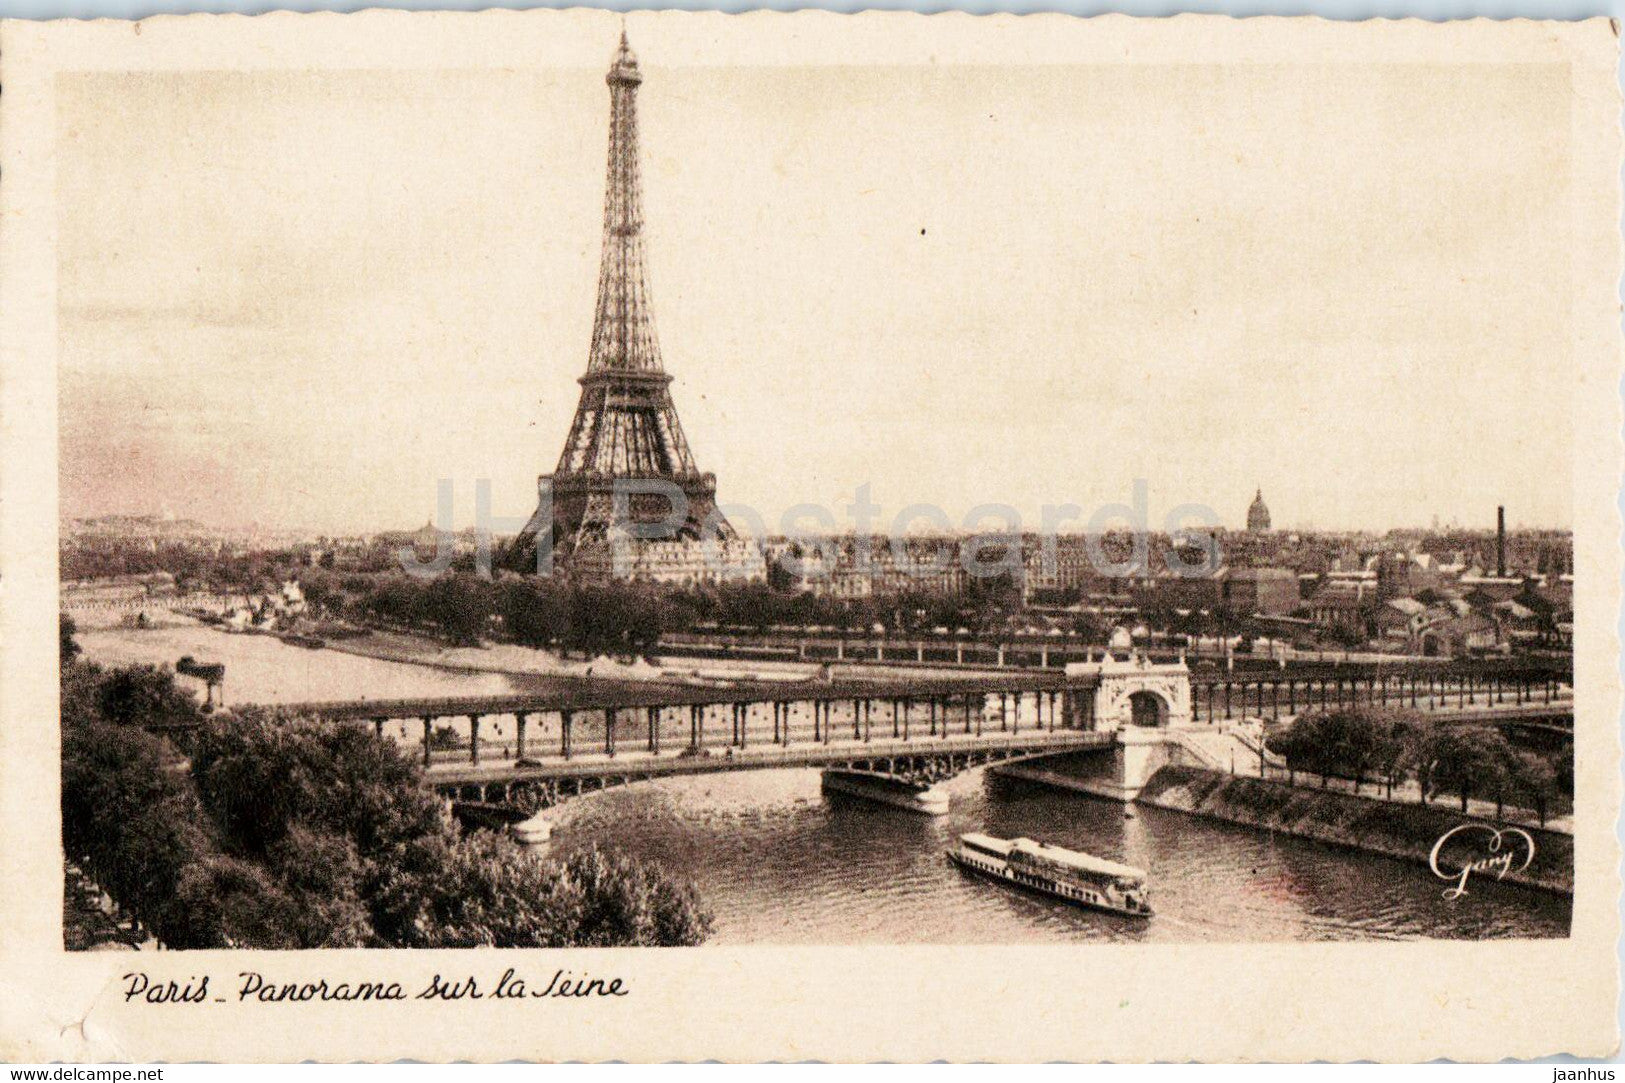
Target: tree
[[459, 606], [321, 589], [624, 902], [1537, 782], [67, 647], [144, 696], [534, 613], [345, 827], [1470, 761], [281, 832], [131, 818], [1348, 743], [1398, 733]]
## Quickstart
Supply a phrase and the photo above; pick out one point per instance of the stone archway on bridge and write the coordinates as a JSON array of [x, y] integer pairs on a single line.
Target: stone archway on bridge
[[1138, 692]]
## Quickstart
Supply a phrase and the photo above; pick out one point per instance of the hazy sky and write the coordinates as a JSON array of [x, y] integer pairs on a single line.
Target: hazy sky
[[302, 298]]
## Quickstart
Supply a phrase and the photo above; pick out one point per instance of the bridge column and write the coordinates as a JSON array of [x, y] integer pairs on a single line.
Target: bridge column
[[896, 722], [378, 727], [474, 738], [907, 704], [428, 726], [520, 718], [694, 726], [967, 714], [744, 724], [931, 712], [609, 731], [868, 721], [775, 709], [1053, 715], [1227, 701], [565, 718], [654, 730]]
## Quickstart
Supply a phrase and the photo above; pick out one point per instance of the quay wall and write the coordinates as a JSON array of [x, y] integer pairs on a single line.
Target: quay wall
[[1404, 831]]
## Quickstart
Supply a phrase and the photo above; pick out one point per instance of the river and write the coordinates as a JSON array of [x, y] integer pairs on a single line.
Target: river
[[776, 861]]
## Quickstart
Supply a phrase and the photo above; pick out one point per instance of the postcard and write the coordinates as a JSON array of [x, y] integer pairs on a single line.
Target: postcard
[[561, 535]]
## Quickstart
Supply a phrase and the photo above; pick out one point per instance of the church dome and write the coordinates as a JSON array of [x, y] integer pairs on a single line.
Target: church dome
[[1258, 516]]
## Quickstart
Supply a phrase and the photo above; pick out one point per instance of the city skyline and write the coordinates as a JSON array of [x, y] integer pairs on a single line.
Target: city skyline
[[483, 301]]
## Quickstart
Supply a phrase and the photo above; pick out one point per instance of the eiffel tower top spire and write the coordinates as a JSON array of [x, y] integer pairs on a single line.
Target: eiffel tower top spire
[[623, 334]]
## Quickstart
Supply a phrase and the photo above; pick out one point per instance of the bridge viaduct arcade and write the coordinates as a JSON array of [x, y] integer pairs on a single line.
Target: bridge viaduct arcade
[[578, 736]]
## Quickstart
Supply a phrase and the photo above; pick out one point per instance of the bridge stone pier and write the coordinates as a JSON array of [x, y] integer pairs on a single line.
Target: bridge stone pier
[[1145, 707]]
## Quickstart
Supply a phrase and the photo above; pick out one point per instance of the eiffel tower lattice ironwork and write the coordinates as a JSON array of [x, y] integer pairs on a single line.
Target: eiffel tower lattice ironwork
[[625, 428]]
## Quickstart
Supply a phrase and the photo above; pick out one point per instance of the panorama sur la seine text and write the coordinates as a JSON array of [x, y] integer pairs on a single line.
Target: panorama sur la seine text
[[251, 985]]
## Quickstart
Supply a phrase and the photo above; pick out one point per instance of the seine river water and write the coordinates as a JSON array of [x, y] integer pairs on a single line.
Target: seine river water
[[779, 862]]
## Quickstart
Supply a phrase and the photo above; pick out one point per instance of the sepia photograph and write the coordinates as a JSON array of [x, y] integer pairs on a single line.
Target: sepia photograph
[[818, 482]]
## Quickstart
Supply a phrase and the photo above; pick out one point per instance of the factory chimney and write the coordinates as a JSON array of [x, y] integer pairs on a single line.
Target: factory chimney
[[1501, 542]]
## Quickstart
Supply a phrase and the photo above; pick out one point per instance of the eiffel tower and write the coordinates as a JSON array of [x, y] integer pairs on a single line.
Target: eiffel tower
[[625, 428]]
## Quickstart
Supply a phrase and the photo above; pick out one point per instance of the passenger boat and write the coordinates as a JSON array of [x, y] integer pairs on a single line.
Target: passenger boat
[[1074, 877]]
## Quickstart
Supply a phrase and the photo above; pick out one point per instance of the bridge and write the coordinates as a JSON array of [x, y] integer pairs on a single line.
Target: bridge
[[913, 763], [533, 748], [1021, 649]]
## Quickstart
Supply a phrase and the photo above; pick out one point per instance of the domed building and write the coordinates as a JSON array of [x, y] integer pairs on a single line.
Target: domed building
[[1258, 516]]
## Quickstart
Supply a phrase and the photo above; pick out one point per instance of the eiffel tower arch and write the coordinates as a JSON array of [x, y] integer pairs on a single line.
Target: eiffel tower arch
[[626, 462]]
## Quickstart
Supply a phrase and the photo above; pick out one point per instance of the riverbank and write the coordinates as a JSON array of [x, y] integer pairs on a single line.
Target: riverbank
[[1407, 832], [412, 648], [516, 661]]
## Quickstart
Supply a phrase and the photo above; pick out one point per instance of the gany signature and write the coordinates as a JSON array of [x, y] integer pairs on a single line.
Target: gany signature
[[1500, 855]]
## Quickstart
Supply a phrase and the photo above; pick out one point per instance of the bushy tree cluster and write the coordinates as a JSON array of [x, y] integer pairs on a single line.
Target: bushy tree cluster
[[1464, 761], [628, 618], [196, 565], [261, 831]]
